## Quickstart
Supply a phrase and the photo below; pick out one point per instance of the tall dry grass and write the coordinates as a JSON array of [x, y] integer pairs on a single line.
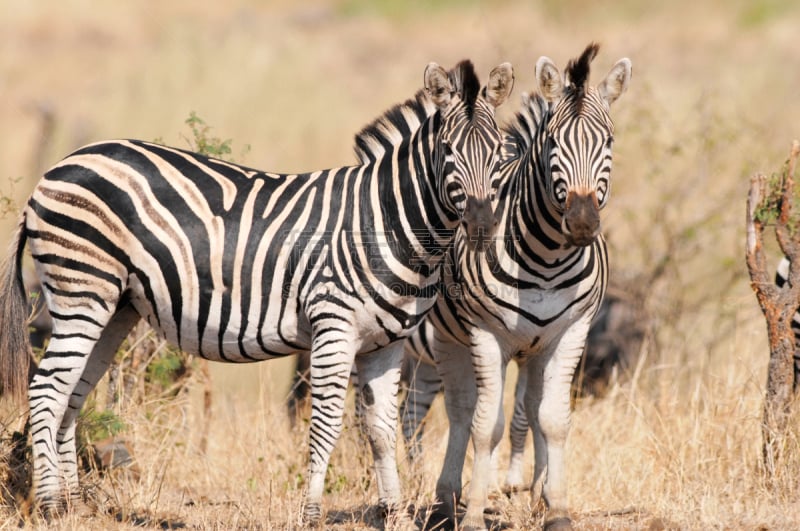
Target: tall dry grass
[[713, 99]]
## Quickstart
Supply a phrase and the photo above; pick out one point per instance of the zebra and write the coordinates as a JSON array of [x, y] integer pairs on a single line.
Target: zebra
[[781, 277], [238, 265], [613, 345], [533, 292]]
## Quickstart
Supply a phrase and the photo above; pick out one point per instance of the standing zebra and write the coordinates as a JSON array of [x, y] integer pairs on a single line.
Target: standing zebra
[[534, 291], [238, 265], [613, 345], [781, 276]]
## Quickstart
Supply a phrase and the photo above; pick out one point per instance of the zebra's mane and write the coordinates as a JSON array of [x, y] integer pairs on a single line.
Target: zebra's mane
[[393, 127], [523, 127], [398, 123], [578, 72], [466, 82]]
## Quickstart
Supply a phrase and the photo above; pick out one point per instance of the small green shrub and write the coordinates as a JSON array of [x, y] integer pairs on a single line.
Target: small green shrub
[[95, 425], [213, 146], [7, 203], [203, 143], [770, 208]]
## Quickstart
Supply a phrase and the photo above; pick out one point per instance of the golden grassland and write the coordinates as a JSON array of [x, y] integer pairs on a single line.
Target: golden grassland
[[714, 99]]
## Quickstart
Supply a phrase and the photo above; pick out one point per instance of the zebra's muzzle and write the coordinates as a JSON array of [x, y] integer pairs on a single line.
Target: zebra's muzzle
[[581, 223], [479, 223]]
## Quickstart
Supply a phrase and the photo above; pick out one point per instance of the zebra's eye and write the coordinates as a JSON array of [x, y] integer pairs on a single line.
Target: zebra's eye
[[560, 192], [602, 192]]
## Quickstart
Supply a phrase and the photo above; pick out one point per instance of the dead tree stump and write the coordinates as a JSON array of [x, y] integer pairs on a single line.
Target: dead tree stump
[[770, 203]]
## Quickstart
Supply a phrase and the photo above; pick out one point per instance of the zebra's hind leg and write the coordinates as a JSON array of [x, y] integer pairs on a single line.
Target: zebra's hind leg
[[379, 381], [97, 365], [332, 356], [460, 395], [424, 385], [76, 332]]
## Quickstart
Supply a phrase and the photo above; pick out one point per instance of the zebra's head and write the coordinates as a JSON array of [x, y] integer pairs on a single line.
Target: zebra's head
[[468, 143], [578, 139]]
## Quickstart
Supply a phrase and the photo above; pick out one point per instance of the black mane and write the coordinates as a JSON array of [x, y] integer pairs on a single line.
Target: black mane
[[398, 123], [465, 80], [578, 71], [521, 130], [393, 127]]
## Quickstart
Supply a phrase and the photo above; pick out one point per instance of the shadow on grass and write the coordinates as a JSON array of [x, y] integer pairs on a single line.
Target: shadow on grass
[[146, 520]]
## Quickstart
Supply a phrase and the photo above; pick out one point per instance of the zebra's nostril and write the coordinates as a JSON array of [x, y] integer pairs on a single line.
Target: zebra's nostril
[[581, 221]]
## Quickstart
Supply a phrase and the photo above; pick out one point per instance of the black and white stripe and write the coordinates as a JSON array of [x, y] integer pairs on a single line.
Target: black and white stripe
[[239, 265], [532, 294]]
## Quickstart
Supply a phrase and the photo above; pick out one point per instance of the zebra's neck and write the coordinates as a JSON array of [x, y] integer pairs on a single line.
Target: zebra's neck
[[530, 228], [406, 206]]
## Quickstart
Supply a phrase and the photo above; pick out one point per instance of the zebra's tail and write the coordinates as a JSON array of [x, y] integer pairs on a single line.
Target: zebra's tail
[[15, 348]]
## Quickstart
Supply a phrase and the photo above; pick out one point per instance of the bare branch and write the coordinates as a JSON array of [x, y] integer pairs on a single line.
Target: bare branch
[[756, 262]]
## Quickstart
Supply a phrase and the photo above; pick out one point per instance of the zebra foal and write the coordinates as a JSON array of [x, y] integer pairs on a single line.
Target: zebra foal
[[533, 292], [238, 265]]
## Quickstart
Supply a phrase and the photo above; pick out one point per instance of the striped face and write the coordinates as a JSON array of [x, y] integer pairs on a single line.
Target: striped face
[[578, 142], [579, 150], [470, 150], [469, 143]]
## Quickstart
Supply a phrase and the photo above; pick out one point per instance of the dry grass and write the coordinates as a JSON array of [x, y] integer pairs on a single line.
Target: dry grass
[[713, 99]]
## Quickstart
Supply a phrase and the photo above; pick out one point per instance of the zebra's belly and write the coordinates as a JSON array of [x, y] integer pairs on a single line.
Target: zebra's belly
[[232, 335], [284, 328]]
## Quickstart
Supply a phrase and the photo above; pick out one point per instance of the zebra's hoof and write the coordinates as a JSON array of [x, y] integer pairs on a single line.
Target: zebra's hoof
[[473, 523], [395, 516], [312, 515], [50, 509], [389, 509]]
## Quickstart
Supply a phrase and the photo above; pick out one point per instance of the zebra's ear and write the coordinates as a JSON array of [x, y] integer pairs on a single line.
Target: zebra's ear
[[501, 82], [551, 86], [438, 85], [616, 82]]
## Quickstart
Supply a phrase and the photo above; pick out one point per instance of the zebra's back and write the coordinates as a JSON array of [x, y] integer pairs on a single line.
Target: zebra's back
[[240, 265]]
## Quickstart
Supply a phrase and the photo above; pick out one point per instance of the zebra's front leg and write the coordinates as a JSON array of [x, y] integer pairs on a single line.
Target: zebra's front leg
[[332, 356], [487, 422], [518, 433], [379, 381], [548, 408]]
